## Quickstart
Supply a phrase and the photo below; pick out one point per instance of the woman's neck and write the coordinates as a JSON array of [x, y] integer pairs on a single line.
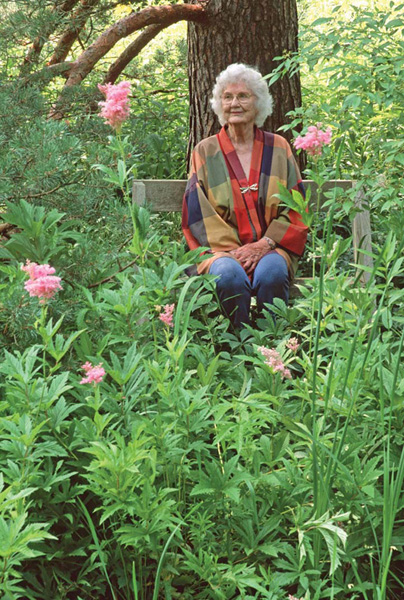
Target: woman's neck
[[241, 135]]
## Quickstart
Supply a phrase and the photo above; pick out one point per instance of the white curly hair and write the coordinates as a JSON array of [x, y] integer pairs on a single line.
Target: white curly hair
[[252, 78]]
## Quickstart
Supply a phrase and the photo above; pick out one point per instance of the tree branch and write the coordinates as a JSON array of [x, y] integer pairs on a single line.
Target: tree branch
[[163, 15], [66, 41], [34, 52], [92, 285], [153, 15], [48, 73], [131, 51], [47, 192]]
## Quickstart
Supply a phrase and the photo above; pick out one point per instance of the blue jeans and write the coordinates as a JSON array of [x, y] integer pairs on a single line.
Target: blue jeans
[[270, 280]]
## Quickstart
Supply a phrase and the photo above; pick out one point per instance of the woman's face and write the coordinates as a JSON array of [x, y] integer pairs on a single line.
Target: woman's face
[[238, 104]]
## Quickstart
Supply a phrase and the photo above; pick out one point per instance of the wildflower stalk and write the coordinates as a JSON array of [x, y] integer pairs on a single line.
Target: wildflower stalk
[[41, 326], [42, 284], [312, 142], [154, 339], [126, 191], [313, 243], [115, 110], [318, 494]]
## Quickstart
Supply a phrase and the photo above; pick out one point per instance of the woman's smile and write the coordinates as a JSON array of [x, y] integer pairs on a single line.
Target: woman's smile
[[238, 104]]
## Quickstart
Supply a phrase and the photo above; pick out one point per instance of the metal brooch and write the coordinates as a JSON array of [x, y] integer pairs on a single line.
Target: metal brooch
[[249, 188]]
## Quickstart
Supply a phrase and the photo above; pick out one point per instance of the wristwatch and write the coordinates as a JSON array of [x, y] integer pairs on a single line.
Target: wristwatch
[[270, 242]]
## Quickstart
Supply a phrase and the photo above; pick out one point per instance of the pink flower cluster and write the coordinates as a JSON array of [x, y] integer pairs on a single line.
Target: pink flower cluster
[[93, 374], [314, 140], [42, 282], [274, 360], [293, 344], [167, 315], [115, 109]]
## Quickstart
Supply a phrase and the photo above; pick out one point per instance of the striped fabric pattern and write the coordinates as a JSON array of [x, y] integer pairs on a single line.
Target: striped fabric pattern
[[218, 215]]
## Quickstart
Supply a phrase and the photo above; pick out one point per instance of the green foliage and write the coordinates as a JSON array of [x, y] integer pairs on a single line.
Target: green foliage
[[193, 471], [43, 161], [160, 123], [43, 238], [351, 64]]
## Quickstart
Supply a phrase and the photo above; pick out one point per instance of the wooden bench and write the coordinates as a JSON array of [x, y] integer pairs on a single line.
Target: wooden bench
[[165, 195]]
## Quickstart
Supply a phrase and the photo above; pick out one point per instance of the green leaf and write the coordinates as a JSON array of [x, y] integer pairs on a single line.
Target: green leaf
[[59, 412], [394, 23], [16, 537], [295, 201], [121, 373], [321, 21], [111, 175], [352, 100], [57, 387], [369, 490]]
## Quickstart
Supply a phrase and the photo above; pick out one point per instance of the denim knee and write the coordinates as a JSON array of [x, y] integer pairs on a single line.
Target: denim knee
[[271, 279], [231, 277], [233, 289]]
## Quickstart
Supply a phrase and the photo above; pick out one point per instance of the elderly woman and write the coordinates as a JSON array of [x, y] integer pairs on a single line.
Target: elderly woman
[[230, 204]]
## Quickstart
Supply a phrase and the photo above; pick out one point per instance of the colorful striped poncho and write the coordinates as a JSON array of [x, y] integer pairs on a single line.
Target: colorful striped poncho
[[223, 210]]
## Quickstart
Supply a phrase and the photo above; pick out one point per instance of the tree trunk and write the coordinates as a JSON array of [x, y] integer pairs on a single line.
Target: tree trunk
[[247, 32]]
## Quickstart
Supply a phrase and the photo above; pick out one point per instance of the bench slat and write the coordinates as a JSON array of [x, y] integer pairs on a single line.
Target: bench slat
[[362, 236]]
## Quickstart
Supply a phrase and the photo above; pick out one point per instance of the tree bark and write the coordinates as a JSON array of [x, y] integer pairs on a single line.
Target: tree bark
[[247, 32], [66, 41], [33, 54], [131, 51]]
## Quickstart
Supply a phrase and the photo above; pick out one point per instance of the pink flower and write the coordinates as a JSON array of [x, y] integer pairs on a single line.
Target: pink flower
[[43, 287], [34, 271], [293, 344], [314, 140], [93, 374], [167, 315], [115, 109], [274, 360], [42, 283]]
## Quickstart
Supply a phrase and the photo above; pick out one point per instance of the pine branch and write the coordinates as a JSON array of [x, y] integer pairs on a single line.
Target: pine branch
[[163, 15], [47, 73], [41, 194], [131, 51], [66, 41], [33, 54], [154, 15]]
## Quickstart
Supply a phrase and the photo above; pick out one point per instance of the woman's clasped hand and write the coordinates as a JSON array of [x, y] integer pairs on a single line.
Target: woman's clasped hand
[[250, 254]]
